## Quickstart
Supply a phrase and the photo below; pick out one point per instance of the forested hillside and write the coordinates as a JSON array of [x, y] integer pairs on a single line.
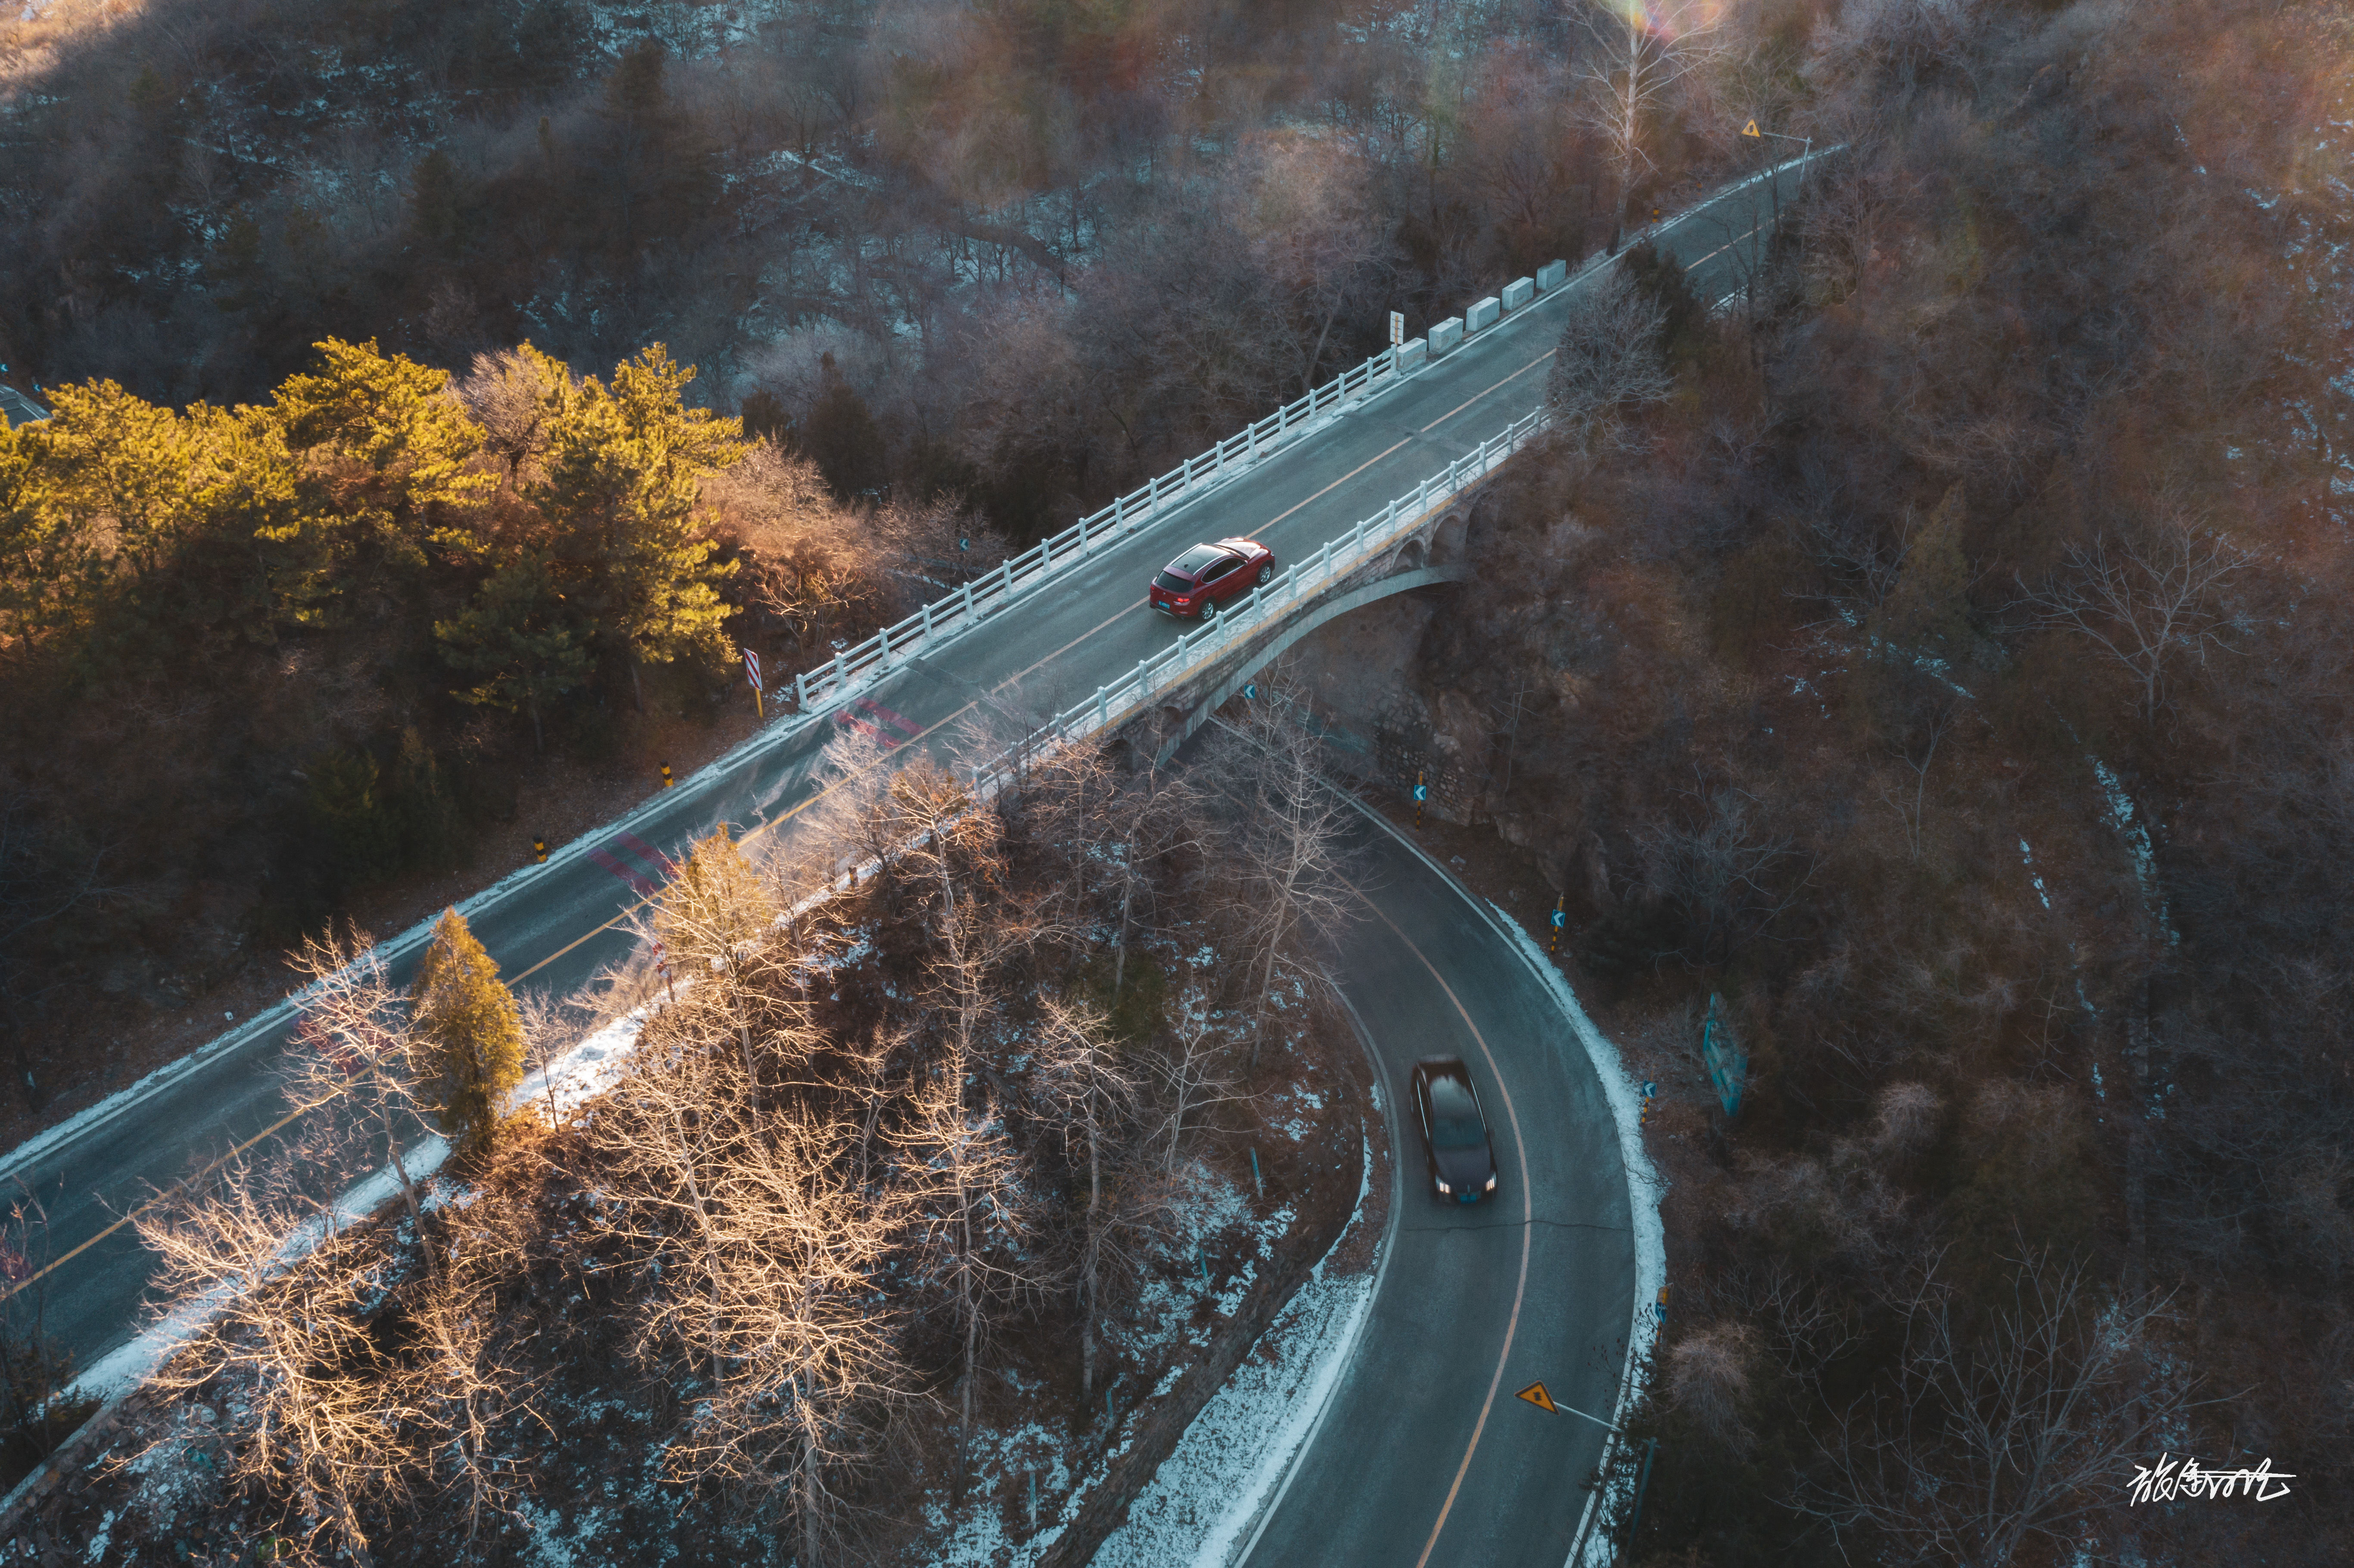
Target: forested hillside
[[1941, 660], [1937, 652], [976, 267]]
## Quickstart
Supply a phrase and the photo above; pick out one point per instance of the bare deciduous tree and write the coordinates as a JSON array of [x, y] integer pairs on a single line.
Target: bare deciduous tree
[[970, 1214], [766, 1242], [513, 395], [2142, 599], [1608, 357], [320, 1411], [809, 560], [1075, 1068], [1727, 873], [1986, 1435], [1636, 58], [714, 920], [1194, 1076], [1318, 236], [1289, 889], [353, 1056], [1917, 752]]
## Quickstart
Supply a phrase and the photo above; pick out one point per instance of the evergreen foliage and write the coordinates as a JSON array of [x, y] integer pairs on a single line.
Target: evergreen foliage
[[521, 637], [470, 1033], [1927, 612], [622, 472]]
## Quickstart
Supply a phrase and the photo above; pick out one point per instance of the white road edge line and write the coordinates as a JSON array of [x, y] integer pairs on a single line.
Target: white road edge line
[[1347, 1355], [1651, 1235]]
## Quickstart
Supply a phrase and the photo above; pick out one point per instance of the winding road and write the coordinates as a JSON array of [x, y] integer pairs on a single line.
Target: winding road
[[1426, 1457], [1423, 1455]]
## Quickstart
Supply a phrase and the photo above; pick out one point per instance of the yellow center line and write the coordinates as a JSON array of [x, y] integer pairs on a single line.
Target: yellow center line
[[1475, 397], [61, 1262], [1336, 483], [1528, 1220], [1724, 247]]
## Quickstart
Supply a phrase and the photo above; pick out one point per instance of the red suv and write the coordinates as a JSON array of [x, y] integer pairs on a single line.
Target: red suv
[[1211, 574]]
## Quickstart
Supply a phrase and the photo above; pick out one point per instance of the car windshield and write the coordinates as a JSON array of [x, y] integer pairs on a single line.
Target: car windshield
[[1455, 1116], [1170, 582]]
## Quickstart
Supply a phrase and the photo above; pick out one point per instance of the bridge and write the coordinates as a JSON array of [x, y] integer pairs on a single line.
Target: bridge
[[1362, 488]]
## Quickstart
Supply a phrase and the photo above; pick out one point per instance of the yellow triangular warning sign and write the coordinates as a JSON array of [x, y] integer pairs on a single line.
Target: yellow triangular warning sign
[[1750, 130], [1535, 1395]]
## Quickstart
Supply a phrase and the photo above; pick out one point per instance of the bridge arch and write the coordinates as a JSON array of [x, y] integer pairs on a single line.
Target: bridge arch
[[1259, 658], [1448, 539]]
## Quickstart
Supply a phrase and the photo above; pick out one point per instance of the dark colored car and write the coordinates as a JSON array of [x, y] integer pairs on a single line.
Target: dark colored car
[[1454, 1130], [1211, 574]]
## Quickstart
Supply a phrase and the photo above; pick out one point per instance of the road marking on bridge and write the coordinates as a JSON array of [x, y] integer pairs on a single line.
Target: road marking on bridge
[[662, 863], [1335, 484], [645, 885], [895, 721], [1475, 397]]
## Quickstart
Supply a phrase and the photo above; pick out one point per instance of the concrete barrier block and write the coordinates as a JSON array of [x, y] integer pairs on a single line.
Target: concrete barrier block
[[1412, 353], [1518, 293], [1482, 314], [1445, 336], [1551, 276]]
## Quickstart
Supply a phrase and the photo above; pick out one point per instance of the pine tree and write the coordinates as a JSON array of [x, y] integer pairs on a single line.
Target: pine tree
[[623, 471], [118, 467], [49, 566], [470, 1035], [387, 455], [1927, 612], [520, 636]]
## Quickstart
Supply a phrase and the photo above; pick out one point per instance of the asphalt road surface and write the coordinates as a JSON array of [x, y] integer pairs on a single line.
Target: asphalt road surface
[[555, 925], [1426, 1456]]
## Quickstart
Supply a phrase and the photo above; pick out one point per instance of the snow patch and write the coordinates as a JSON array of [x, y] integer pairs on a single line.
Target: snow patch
[[579, 1075], [1219, 1480], [1645, 1189]]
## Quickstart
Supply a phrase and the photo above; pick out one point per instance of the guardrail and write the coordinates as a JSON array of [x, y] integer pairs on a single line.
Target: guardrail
[[1116, 703], [1017, 574]]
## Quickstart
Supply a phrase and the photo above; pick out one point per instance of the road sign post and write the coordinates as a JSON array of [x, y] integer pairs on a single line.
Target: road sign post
[[1553, 944], [1421, 793], [1727, 1062], [1651, 1446], [752, 674]]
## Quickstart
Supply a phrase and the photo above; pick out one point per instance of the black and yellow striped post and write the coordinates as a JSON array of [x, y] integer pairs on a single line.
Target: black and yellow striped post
[[667, 780], [538, 852]]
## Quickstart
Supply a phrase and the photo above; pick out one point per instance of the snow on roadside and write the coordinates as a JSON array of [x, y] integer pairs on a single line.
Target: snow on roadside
[[581, 1073], [1645, 1189], [1214, 1484]]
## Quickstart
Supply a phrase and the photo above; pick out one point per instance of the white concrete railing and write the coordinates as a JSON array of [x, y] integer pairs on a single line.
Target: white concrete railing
[[1018, 574], [1203, 647]]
